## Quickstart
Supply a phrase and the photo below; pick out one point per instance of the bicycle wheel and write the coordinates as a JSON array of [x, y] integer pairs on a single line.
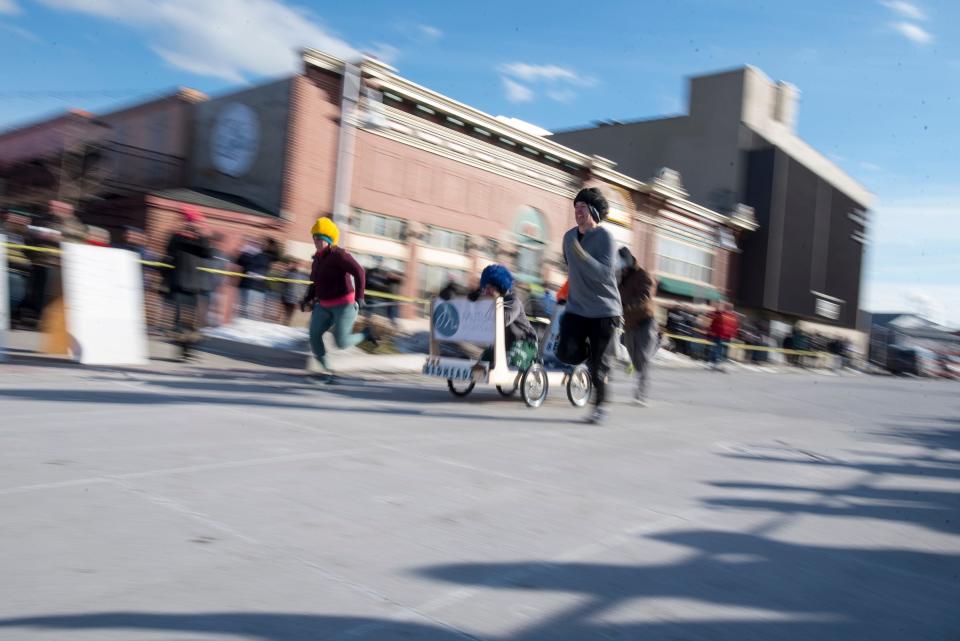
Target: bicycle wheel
[[579, 386], [460, 388], [507, 392], [534, 385]]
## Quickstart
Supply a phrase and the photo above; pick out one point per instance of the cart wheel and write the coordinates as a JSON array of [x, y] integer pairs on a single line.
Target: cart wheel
[[460, 388], [579, 386], [534, 385], [507, 392]]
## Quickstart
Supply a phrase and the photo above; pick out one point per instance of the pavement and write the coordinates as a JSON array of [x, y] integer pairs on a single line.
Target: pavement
[[229, 500]]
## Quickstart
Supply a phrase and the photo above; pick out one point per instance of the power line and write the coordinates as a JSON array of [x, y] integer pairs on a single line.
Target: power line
[[70, 94]]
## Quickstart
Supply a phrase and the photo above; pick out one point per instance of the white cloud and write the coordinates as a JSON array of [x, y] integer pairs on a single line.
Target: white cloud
[[9, 7], [385, 52], [20, 31], [562, 95], [230, 40], [905, 9], [915, 250], [517, 92], [550, 73], [869, 166], [429, 32], [913, 32], [938, 303], [557, 82]]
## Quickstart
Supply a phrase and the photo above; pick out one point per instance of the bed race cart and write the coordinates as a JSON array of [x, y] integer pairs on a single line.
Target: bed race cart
[[480, 323]]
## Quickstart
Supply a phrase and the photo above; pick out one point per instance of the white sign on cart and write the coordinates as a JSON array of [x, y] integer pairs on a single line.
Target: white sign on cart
[[460, 319], [103, 296]]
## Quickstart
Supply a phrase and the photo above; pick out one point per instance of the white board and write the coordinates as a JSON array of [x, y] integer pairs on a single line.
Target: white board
[[460, 319], [103, 296], [4, 299]]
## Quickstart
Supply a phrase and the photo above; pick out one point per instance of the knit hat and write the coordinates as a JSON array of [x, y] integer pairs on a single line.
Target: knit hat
[[326, 229], [191, 214], [498, 276], [593, 198]]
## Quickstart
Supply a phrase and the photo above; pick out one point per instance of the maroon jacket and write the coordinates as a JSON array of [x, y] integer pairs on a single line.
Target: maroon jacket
[[331, 276]]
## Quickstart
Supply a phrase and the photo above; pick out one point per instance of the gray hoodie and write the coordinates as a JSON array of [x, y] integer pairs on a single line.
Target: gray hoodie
[[591, 263]]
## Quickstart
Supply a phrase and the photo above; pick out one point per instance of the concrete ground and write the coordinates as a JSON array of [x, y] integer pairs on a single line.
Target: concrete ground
[[228, 500]]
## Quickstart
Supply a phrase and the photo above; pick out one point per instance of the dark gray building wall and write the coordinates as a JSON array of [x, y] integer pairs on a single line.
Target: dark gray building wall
[[758, 193], [739, 145], [702, 146], [804, 243], [262, 183], [845, 258]]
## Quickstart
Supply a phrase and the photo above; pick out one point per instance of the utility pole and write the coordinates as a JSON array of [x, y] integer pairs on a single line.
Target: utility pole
[[346, 155]]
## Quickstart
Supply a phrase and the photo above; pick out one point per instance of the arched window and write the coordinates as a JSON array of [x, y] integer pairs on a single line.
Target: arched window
[[530, 233]]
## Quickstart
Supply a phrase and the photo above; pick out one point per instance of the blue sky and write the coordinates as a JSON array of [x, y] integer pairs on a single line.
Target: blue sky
[[880, 80]]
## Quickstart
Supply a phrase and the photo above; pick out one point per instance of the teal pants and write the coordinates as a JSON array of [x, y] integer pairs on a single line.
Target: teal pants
[[341, 320]]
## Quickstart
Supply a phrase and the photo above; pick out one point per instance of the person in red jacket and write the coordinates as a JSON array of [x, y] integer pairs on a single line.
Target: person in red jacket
[[336, 293], [723, 328]]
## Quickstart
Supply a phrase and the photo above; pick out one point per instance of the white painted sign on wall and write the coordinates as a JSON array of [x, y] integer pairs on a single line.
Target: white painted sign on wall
[[235, 139], [103, 296], [460, 319]]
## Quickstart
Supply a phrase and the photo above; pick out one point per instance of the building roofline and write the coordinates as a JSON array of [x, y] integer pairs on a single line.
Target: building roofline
[[729, 71], [186, 94], [394, 83], [801, 151], [71, 112]]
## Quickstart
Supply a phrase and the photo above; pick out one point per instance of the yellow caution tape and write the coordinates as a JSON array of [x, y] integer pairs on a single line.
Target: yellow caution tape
[[46, 250], [224, 272]]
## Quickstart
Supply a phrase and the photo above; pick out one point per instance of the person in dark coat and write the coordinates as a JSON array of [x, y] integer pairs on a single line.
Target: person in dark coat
[[520, 339], [640, 335], [336, 293], [255, 261], [384, 281], [188, 250]]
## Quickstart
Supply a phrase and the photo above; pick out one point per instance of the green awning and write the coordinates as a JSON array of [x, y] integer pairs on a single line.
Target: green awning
[[690, 290]]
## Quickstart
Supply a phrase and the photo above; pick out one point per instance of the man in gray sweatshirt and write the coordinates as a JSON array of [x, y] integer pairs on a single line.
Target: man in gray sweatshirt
[[593, 307]]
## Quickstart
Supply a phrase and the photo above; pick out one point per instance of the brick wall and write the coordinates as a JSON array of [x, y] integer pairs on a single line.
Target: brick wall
[[313, 137]]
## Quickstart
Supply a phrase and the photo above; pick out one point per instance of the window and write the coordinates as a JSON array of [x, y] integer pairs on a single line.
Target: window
[[686, 261], [368, 261], [490, 248], [366, 222], [446, 239], [433, 278], [530, 262]]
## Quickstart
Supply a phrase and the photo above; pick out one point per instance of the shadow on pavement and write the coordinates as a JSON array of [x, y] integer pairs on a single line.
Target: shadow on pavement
[[723, 585], [155, 398]]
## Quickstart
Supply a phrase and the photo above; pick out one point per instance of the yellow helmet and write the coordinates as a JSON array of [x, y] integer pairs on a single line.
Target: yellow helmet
[[326, 227]]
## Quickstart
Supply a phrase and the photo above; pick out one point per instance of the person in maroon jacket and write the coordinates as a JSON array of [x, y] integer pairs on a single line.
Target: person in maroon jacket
[[336, 293], [723, 328]]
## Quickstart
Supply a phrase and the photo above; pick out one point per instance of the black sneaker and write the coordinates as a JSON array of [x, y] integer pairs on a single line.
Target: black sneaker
[[370, 337]]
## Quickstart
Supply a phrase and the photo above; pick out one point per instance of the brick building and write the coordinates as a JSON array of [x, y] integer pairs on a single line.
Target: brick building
[[427, 185]]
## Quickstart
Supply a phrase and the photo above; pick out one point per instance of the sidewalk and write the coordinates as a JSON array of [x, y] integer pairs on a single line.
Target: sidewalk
[[221, 353], [251, 343]]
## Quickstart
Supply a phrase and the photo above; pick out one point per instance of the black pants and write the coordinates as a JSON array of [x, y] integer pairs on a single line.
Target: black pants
[[587, 339], [186, 320]]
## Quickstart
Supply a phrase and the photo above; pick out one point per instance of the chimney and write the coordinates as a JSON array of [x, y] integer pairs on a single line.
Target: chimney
[[785, 105]]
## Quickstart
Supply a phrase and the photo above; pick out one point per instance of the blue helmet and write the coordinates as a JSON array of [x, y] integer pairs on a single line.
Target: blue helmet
[[498, 276]]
